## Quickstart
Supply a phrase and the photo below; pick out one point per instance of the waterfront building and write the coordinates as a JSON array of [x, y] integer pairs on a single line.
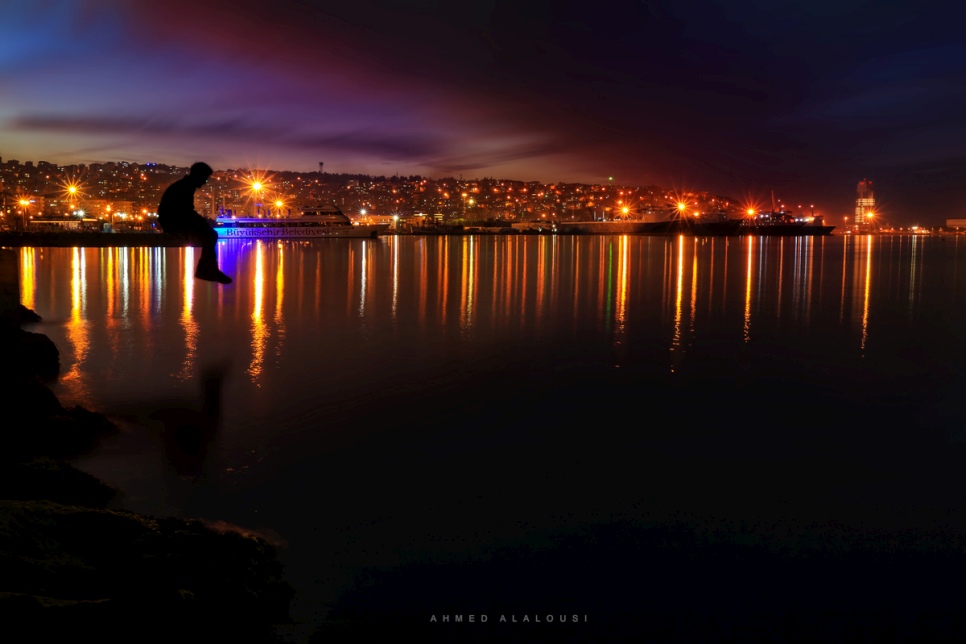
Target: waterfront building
[[864, 203]]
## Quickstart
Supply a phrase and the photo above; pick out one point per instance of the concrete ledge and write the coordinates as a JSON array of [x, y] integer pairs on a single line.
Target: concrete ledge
[[12, 239]]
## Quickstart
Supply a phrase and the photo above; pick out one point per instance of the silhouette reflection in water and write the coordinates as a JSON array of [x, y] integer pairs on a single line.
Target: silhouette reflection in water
[[189, 431]]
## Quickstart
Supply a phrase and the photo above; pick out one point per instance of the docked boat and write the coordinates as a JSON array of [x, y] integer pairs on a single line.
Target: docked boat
[[702, 226], [316, 222], [669, 222], [782, 223]]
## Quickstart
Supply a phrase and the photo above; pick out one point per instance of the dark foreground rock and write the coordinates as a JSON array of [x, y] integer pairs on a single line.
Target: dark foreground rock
[[67, 566], [71, 567]]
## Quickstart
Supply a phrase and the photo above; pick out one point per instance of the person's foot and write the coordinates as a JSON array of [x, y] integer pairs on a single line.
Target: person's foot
[[213, 275]]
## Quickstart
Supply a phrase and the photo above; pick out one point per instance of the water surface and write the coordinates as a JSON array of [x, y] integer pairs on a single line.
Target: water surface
[[450, 410]]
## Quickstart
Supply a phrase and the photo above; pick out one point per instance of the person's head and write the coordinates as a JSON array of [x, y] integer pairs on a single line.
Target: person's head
[[200, 173]]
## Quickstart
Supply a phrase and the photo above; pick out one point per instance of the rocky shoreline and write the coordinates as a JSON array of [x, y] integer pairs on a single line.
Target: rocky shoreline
[[69, 562]]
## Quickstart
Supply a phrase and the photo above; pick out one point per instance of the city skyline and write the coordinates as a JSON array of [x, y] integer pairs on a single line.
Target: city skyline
[[742, 100]]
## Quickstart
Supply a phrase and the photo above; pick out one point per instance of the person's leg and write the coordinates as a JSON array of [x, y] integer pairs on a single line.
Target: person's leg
[[203, 235], [207, 239]]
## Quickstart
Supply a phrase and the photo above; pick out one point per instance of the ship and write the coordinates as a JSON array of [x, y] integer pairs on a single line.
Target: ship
[[781, 223], [655, 222], [314, 222]]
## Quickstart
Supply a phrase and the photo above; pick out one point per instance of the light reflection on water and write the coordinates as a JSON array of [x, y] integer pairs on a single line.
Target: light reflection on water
[[534, 289], [492, 345]]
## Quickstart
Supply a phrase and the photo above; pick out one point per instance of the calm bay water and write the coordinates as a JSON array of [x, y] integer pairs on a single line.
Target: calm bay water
[[503, 424]]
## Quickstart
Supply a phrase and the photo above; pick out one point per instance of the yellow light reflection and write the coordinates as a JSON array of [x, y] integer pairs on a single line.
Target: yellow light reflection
[[912, 272], [363, 281], [318, 285], [505, 272], [77, 331], [867, 291], [466, 282], [279, 299], [28, 277], [748, 281], [112, 322], [109, 254], [541, 267], [443, 282], [678, 299], [496, 287], [188, 322], [125, 269], [781, 278], [577, 272], [694, 288], [350, 281], [423, 268], [845, 272], [603, 250], [518, 275], [555, 270], [259, 330], [623, 269], [394, 250]]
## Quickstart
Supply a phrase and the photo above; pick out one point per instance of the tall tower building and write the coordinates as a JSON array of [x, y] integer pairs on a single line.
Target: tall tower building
[[864, 202]]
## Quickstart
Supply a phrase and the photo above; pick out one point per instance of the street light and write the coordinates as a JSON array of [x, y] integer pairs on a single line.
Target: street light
[[23, 211], [72, 191], [257, 188]]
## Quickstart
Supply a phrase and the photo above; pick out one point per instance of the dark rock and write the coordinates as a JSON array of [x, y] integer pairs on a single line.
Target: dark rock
[[37, 425], [67, 566], [54, 481], [29, 354], [26, 316]]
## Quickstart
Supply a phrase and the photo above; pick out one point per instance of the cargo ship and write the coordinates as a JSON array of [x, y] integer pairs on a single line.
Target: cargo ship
[[782, 223], [669, 222]]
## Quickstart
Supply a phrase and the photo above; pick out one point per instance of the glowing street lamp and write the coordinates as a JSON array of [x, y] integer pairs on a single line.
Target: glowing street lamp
[[257, 188], [278, 207], [23, 211], [72, 190], [256, 185]]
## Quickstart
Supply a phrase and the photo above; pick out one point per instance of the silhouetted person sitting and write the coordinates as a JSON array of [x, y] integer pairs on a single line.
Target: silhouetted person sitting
[[177, 215]]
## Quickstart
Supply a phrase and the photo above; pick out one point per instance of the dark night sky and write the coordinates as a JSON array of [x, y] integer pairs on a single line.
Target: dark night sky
[[740, 98]]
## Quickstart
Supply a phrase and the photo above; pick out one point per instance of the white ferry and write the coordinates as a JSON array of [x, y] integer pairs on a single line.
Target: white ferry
[[322, 221]]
